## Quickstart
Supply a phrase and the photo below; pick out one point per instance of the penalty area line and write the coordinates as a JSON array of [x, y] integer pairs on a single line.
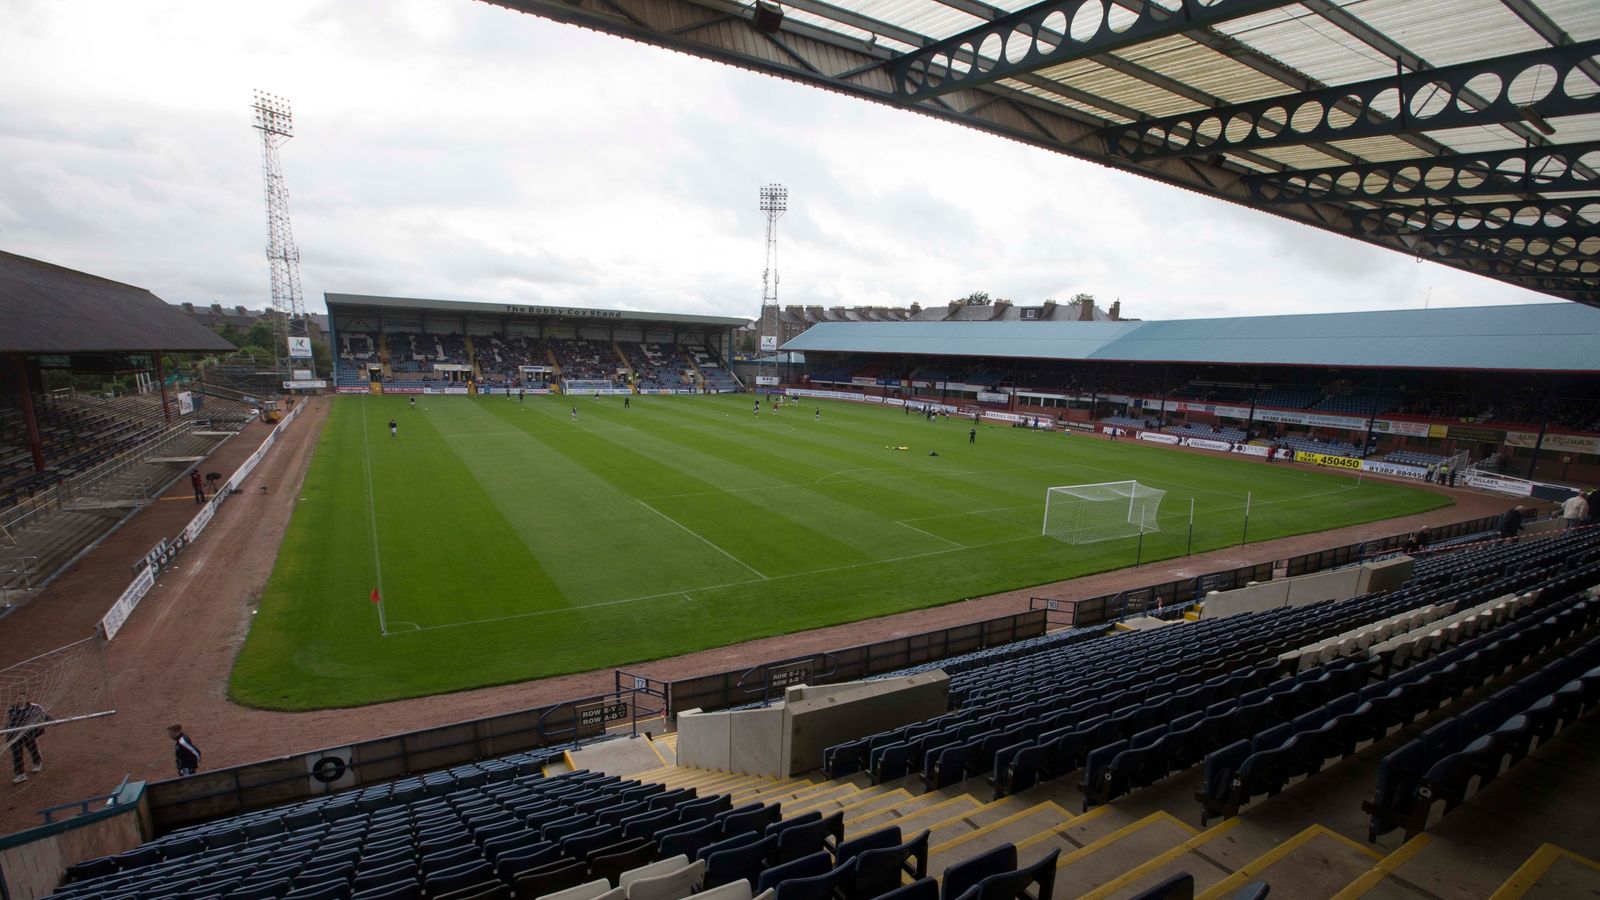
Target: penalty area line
[[701, 538], [929, 534]]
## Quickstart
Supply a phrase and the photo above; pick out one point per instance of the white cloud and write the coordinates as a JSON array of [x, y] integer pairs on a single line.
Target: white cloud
[[454, 149]]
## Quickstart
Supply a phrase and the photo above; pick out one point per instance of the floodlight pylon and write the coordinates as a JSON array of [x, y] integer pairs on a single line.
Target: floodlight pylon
[[774, 203], [275, 121]]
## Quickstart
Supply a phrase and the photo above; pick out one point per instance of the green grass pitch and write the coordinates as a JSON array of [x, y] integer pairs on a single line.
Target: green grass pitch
[[511, 542]]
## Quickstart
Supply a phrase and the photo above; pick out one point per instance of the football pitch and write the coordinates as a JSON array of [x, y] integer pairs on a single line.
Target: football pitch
[[510, 542]]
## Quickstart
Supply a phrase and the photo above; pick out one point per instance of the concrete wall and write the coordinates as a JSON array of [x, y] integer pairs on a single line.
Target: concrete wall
[[1334, 584], [818, 718], [789, 738], [33, 862]]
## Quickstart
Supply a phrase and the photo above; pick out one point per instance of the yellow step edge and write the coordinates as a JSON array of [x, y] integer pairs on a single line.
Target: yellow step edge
[[937, 807], [816, 798], [798, 793], [651, 743], [976, 810], [1096, 846], [1053, 830], [790, 785], [1156, 862], [1373, 876], [1528, 874], [1266, 860], [981, 830], [876, 795]]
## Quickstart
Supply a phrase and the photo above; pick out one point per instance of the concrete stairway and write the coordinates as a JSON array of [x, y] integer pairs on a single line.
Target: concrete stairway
[[1299, 842]]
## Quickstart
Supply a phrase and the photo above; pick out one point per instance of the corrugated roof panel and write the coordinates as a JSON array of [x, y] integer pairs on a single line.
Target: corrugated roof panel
[[47, 308], [1578, 18], [1542, 337], [1204, 69], [1093, 78], [1545, 337], [932, 19], [1308, 43], [1414, 24], [1034, 340]]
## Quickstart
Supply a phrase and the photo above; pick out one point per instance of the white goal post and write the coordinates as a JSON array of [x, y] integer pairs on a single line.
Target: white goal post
[[1086, 513]]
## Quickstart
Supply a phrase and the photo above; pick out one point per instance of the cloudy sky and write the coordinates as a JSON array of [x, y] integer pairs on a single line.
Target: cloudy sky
[[452, 149]]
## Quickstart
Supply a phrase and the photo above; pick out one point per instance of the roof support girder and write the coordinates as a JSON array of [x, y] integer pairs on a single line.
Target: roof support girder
[[1401, 104], [1049, 34], [1526, 170], [1521, 217]]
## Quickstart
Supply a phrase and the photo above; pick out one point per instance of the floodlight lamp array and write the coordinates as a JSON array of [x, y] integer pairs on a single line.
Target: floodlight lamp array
[[774, 198], [273, 114]]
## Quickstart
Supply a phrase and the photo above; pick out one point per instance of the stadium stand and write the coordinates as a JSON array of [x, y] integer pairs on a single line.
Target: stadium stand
[[657, 366]]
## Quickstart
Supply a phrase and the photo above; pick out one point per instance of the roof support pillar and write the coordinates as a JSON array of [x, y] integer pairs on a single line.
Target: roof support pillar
[[161, 379], [29, 420]]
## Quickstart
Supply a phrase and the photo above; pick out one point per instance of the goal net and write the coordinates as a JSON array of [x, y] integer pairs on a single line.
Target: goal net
[[67, 684], [1086, 513]]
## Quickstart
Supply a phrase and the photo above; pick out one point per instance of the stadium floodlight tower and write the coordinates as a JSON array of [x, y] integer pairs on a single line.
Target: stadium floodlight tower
[[774, 203], [275, 121]]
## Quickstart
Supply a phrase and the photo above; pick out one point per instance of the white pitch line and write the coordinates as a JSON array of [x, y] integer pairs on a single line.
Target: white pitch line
[[688, 594], [372, 510], [701, 538], [929, 533]]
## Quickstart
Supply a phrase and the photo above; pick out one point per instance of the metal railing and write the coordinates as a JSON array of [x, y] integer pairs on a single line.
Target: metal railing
[[75, 486]]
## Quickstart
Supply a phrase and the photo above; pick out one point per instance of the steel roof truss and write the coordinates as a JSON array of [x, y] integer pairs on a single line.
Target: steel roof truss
[[1402, 104], [1525, 170], [1049, 34]]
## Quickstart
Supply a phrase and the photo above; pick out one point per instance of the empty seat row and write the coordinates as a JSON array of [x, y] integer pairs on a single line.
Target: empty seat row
[[1460, 755]]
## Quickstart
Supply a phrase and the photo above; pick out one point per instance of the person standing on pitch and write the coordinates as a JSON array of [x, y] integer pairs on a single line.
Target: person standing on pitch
[[574, 415], [21, 714], [394, 428], [184, 750], [626, 398], [199, 486], [818, 416], [413, 403], [758, 407], [972, 435], [520, 393]]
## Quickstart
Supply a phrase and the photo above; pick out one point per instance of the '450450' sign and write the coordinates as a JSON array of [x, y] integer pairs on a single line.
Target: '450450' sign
[[1326, 459]]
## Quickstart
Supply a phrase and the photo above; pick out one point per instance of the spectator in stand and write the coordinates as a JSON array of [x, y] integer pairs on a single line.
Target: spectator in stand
[[1594, 507], [1511, 522], [1574, 512], [199, 486]]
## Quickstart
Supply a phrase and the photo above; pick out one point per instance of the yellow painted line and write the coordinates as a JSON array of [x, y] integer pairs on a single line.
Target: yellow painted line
[[1266, 860], [652, 744], [981, 830], [567, 756], [1113, 837], [1372, 877], [821, 798], [978, 810], [1528, 874], [1156, 862], [1089, 816], [937, 807], [898, 794]]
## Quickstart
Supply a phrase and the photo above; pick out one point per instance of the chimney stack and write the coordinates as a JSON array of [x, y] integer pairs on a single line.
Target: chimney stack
[[1116, 310]]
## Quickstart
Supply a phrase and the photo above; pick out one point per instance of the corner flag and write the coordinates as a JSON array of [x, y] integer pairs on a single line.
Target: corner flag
[[375, 597]]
